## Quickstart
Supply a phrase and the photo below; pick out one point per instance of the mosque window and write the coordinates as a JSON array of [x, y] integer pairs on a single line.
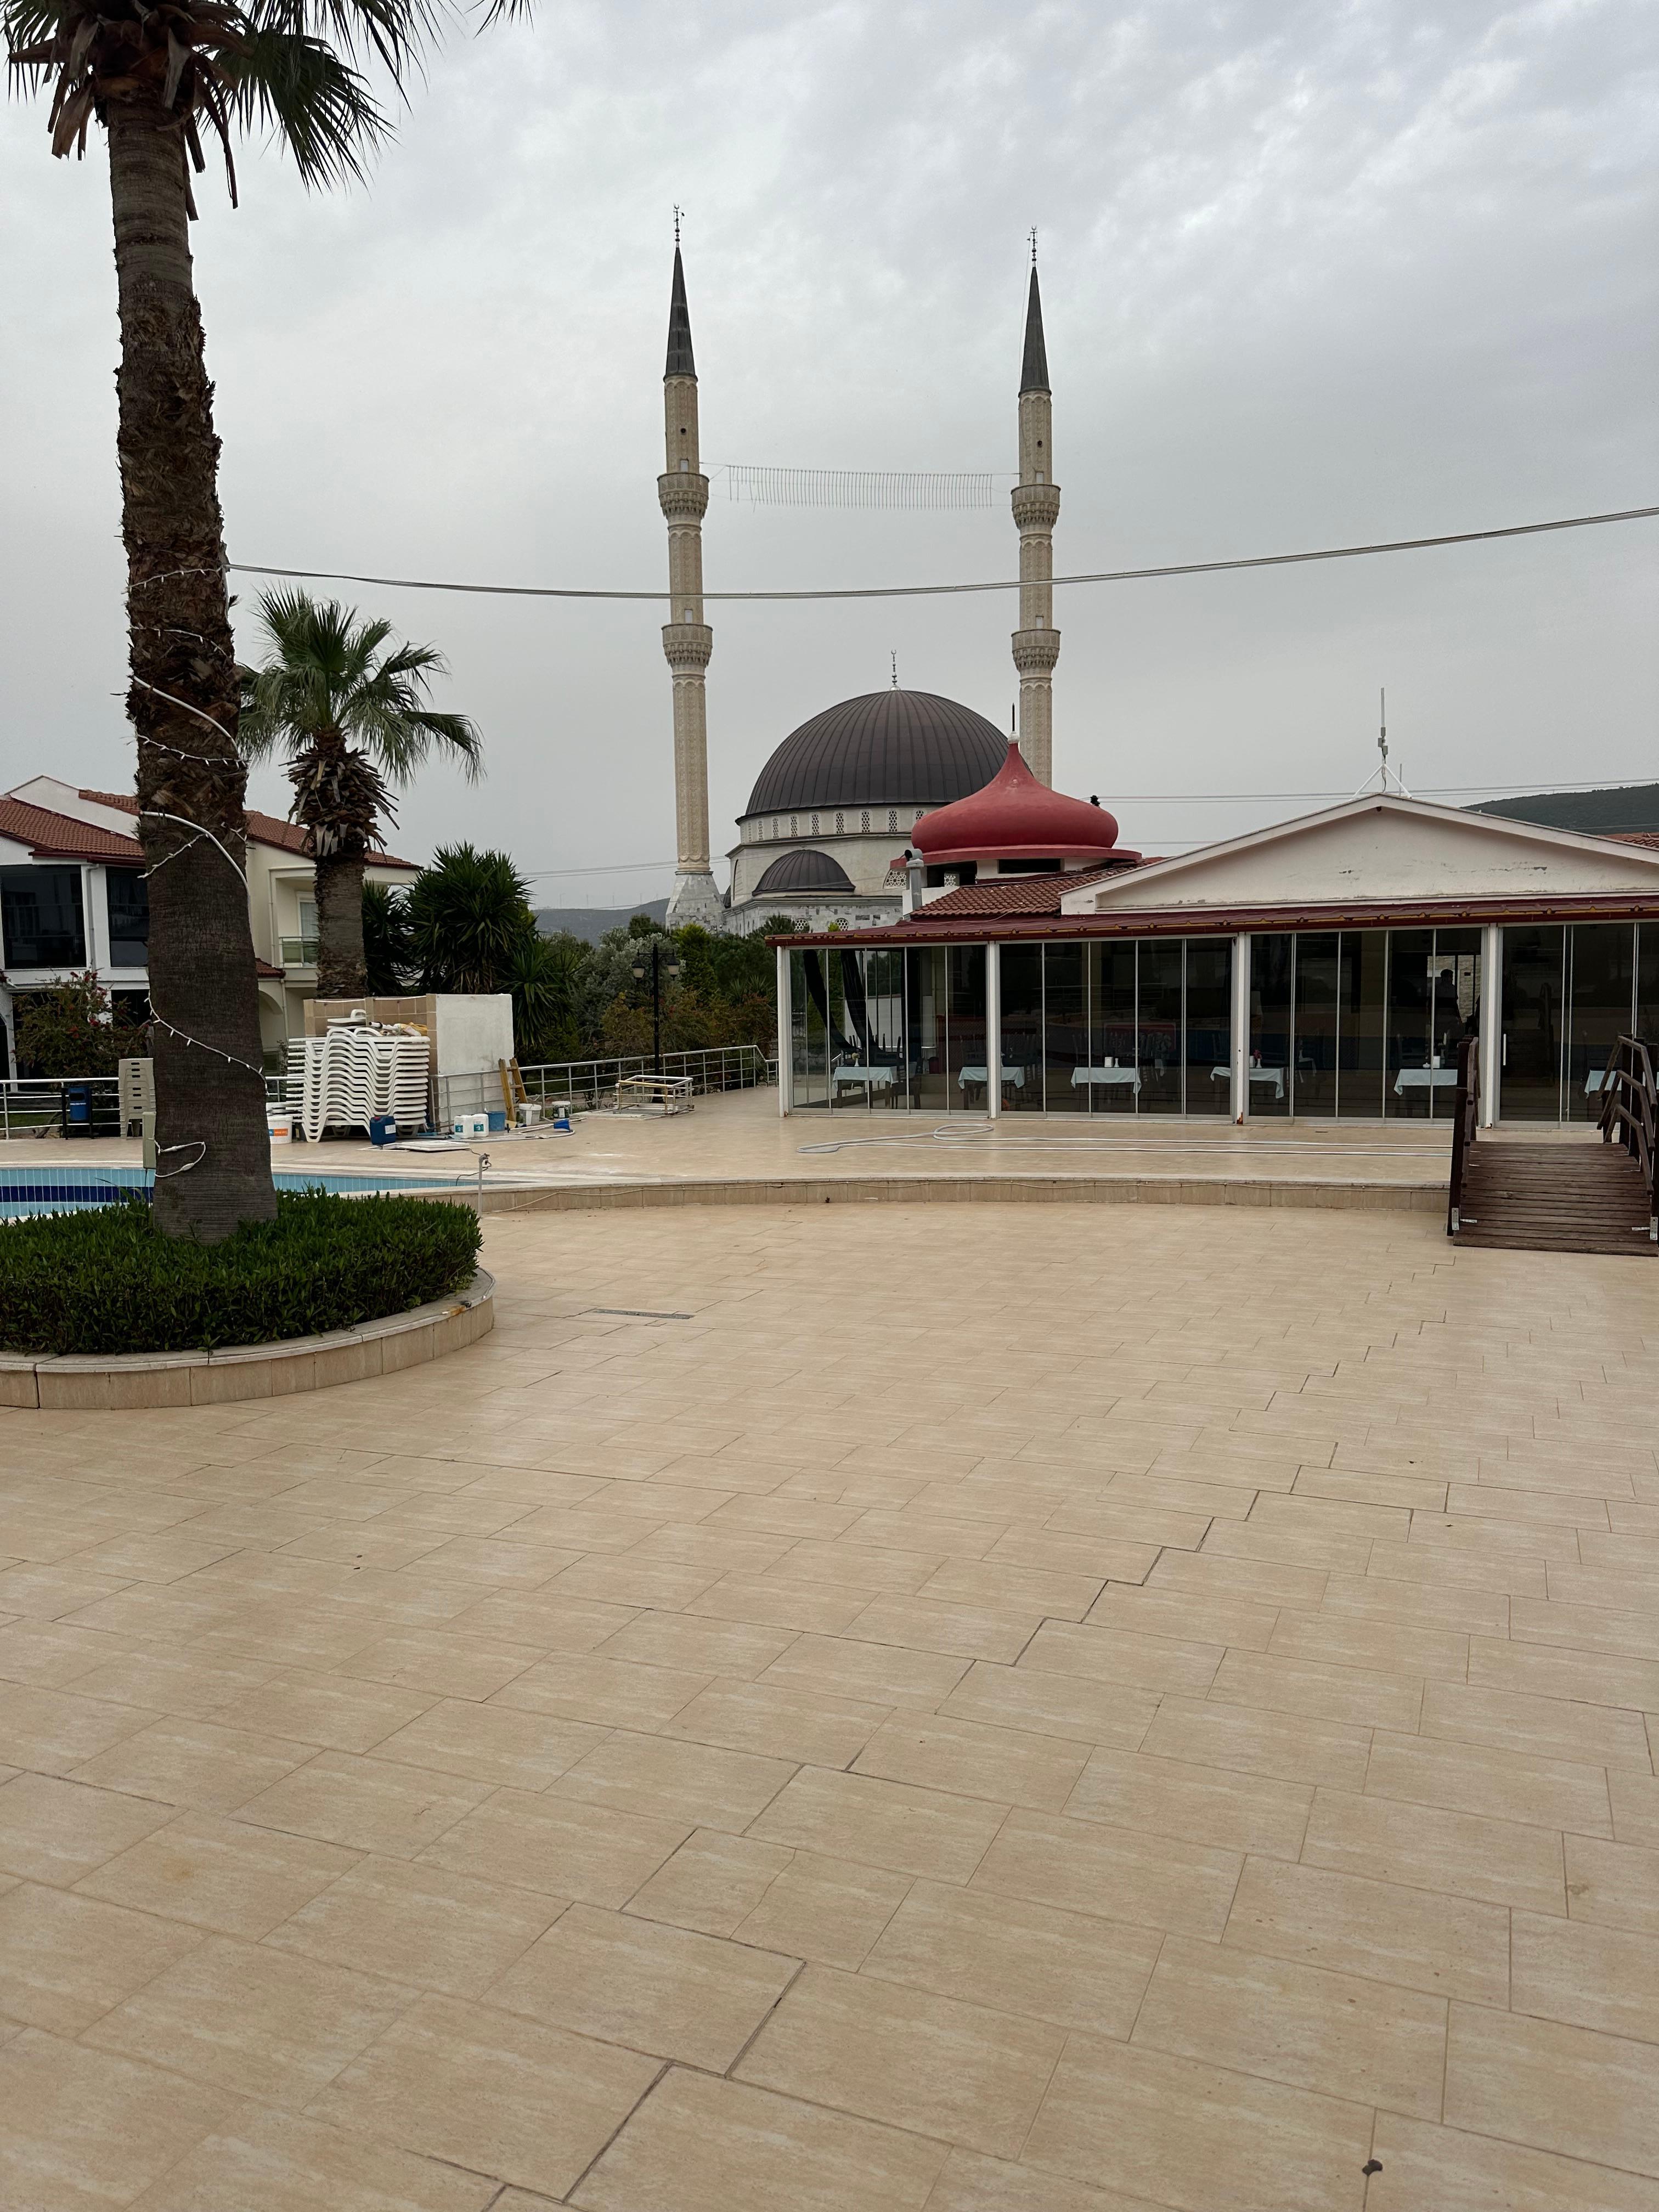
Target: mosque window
[[815, 825], [864, 819], [794, 829], [892, 818], [841, 825]]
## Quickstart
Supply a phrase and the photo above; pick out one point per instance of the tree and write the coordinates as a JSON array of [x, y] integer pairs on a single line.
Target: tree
[[157, 78], [388, 956], [68, 1027], [470, 928], [352, 717]]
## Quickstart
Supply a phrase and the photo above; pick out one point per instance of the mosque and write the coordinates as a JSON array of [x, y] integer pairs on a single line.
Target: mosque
[[822, 837]]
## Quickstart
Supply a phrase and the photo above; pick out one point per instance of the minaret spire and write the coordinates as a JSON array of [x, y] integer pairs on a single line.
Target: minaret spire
[[687, 639], [1036, 509]]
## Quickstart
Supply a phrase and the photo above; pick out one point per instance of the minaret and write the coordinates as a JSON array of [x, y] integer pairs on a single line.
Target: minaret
[[1037, 509], [687, 639]]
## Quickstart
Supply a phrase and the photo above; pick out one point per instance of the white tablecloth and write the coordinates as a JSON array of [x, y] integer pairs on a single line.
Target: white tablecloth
[[1106, 1079], [877, 1078], [1274, 1075], [1424, 1079], [967, 1075]]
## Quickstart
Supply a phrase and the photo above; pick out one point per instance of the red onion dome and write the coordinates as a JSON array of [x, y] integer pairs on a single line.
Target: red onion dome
[[1015, 817]]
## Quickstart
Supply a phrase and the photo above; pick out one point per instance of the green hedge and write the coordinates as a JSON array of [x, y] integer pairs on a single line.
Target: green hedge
[[105, 1281]]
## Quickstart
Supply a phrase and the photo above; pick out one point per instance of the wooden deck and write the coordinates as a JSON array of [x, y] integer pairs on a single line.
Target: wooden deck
[[1555, 1197]]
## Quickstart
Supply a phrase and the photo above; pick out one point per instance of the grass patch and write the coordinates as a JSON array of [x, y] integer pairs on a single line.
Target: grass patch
[[105, 1281]]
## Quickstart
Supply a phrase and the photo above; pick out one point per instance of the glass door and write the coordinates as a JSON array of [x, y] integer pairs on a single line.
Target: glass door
[[1534, 998]]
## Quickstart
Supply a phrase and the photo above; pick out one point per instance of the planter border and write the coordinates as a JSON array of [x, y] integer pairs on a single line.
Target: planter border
[[110, 1382]]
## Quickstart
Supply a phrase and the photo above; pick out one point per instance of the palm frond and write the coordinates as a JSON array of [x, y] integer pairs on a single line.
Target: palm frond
[[310, 101]]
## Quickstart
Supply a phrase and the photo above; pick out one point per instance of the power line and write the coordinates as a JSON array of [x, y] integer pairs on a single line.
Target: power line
[[936, 591]]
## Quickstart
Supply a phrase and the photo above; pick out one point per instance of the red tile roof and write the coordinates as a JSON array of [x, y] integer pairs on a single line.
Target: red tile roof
[[1010, 894], [1648, 837], [51, 836], [262, 829]]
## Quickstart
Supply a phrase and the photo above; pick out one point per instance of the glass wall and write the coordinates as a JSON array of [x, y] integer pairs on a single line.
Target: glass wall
[[1359, 1025], [40, 920]]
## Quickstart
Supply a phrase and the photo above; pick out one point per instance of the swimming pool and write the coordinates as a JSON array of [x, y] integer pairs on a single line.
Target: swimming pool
[[65, 1190]]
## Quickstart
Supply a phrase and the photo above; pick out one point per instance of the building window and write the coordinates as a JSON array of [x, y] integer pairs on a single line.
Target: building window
[[41, 918], [127, 897], [794, 825], [841, 825], [893, 818], [815, 825]]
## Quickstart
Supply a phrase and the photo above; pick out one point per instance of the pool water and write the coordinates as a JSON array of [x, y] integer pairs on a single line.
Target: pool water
[[64, 1190]]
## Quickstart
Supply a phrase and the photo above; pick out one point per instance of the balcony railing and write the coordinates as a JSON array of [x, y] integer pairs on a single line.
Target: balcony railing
[[584, 1082], [298, 951]]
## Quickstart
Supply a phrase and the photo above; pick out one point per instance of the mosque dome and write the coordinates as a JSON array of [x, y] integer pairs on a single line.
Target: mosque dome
[[803, 870], [892, 748], [1015, 817]]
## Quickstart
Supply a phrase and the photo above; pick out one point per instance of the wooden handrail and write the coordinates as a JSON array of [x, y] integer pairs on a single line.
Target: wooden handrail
[[1466, 1122], [1630, 1113]]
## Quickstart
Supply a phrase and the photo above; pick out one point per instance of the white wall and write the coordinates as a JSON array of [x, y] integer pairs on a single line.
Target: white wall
[[474, 1032]]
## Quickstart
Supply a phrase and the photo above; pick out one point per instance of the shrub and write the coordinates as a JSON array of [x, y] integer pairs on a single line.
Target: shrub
[[105, 1281], [67, 1027]]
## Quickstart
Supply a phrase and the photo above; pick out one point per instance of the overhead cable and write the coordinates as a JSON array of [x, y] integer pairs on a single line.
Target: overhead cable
[[939, 591]]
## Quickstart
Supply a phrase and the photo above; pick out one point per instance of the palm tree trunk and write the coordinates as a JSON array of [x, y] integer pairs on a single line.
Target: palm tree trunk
[[213, 1152], [341, 969]]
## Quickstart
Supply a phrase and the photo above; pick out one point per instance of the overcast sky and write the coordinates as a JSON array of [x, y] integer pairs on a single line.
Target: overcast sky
[[1312, 274]]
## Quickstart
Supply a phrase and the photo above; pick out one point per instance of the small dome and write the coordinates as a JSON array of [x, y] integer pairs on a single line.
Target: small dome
[[888, 747], [804, 871], [1015, 817]]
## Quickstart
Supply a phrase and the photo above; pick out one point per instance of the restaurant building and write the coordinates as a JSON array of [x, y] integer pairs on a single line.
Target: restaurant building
[[1327, 967]]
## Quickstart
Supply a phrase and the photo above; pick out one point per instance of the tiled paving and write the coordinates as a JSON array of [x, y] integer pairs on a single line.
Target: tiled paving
[[1006, 1710]]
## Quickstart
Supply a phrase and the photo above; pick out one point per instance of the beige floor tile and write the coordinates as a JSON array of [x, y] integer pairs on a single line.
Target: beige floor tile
[[1010, 1956], [261, 2022], [1155, 1663], [884, 1824], [1197, 1805], [1255, 1582], [1451, 1605], [443, 1663], [776, 1723], [780, 1605], [194, 1763], [1556, 1671], [1198, 2137], [1337, 1639], [872, 1673], [906, 2057], [1579, 1971], [1588, 1628], [1251, 1740], [697, 2145], [1446, 1947], [1001, 1587], [1292, 1548], [1299, 2024], [1508, 1785], [49, 1656], [542, 1619], [329, 1712], [712, 1882], [621, 1581], [365, 1804], [972, 2184], [54, 1831], [872, 1569], [46, 1593], [1068, 1705], [694, 1784], [1417, 1493], [483, 2089], [1009, 1766], [1635, 1806], [607, 1693], [492, 1743], [222, 1875], [282, 2162], [55, 1731], [66, 1960], [963, 1631], [1346, 1694], [1452, 2172], [1213, 1618], [666, 1991], [1504, 1861], [1615, 1884], [1097, 1557], [419, 1925], [87, 2128], [1547, 1726], [824, 1909], [1571, 2090], [699, 1645], [558, 1846], [1123, 1874]]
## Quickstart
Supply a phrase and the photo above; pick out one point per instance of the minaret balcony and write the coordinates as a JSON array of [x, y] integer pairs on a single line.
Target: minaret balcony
[[686, 645], [683, 498], [1035, 651], [1036, 506]]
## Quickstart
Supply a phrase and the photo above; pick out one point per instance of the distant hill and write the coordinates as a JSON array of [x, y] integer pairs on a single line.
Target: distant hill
[[1597, 813], [591, 923]]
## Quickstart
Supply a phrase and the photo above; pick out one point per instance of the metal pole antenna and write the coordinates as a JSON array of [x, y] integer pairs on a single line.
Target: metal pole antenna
[[656, 1005]]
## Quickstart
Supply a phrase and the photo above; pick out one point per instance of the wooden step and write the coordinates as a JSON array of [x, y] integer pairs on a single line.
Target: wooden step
[[1555, 1197]]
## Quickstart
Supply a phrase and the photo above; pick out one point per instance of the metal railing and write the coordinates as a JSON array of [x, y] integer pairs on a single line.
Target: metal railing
[[298, 951], [1466, 1127], [40, 1106], [1630, 1114], [587, 1082]]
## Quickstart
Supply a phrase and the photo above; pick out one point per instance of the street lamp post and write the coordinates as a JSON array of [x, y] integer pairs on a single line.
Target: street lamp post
[[659, 967]]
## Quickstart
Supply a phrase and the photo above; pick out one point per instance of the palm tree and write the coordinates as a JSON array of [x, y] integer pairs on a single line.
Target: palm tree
[[158, 75], [352, 717]]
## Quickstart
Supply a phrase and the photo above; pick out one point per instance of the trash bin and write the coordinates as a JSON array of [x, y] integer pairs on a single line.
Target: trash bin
[[77, 1110], [382, 1129]]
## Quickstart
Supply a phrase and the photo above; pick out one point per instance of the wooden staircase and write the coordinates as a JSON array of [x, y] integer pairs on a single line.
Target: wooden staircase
[[1555, 1197]]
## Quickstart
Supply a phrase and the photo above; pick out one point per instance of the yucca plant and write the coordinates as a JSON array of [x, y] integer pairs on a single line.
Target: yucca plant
[[159, 80]]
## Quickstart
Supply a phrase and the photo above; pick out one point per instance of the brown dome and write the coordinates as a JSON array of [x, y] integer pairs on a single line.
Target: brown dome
[[888, 747]]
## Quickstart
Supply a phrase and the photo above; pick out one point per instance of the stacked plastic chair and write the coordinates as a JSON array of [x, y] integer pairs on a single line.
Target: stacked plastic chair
[[355, 1072]]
